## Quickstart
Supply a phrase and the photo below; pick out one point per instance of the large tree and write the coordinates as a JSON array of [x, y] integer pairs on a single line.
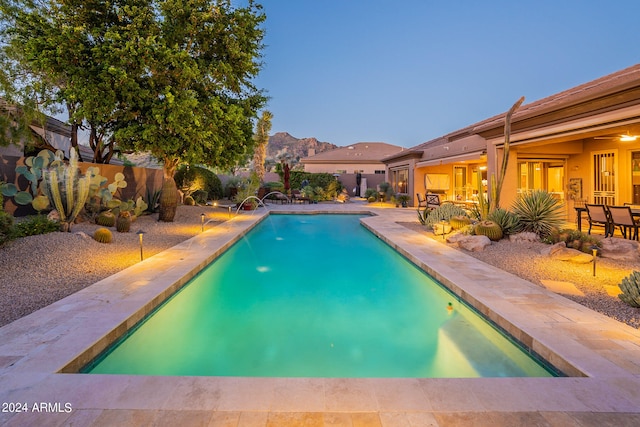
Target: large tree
[[201, 100]]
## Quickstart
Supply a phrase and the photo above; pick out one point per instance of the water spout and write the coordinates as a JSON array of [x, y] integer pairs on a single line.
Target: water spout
[[260, 202]]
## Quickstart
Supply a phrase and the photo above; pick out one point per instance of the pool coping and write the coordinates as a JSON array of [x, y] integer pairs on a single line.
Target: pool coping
[[34, 349]]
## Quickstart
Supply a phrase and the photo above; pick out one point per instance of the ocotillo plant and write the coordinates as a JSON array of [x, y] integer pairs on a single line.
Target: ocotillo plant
[[66, 190]]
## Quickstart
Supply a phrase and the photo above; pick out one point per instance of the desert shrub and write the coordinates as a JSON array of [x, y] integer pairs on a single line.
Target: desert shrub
[[442, 213], [190, 179], [274, 186], [387, 189], [371, 192], [508, 221], [6, 223], [538, 212], [314, 179], [574, 239], [200, 197], [630, 287], [34, 225]]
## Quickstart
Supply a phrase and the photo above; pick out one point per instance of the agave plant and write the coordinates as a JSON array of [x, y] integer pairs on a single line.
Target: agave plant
[[507, 220], [538, 212]]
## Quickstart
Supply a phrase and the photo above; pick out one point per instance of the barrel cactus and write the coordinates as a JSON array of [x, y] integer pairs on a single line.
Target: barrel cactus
[[459, 221], [489, 229], [188, 201], [630, 287], [123, 223], [106, 219], [103, 235]]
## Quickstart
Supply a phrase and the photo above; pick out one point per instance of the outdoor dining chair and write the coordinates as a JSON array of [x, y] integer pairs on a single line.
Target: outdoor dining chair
[[422, 202], [433, 200], [622, 216], [598, 215]]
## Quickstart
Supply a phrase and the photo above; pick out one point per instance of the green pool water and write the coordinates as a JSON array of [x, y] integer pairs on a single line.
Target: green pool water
[[315, 296]]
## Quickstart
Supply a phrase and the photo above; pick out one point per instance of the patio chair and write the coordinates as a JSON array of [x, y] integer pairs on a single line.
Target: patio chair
[[422, 202], [433, 200], [622, 216], [598, 215]]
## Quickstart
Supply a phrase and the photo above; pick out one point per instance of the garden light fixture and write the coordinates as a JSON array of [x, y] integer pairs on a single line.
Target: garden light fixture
[[140, 233]]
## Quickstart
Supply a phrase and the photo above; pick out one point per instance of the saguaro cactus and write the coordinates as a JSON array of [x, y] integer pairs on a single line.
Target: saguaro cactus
[[66, 190]]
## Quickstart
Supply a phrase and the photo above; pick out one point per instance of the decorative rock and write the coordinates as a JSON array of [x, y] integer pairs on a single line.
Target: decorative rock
[[524, 237], [83, 235], [620, 249], [470, 243], [53, 215], [560, 252], [438, 228]]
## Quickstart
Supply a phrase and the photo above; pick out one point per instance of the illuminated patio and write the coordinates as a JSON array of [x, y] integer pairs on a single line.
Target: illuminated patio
[[600, 356]]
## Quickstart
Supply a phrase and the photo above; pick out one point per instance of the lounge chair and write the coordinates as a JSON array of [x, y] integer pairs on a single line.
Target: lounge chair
[[622, 217], [598, 215]]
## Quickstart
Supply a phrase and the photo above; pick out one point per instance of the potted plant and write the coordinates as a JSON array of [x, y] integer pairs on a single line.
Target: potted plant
[[403, 199]]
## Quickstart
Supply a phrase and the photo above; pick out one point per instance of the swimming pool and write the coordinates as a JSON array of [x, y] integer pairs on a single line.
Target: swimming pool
[[315, 296]]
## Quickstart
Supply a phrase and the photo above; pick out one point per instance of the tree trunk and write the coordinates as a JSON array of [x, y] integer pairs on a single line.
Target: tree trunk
[[169, 194]]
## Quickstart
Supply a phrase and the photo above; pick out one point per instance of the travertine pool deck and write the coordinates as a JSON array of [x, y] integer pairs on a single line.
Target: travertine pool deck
[[600, 355]]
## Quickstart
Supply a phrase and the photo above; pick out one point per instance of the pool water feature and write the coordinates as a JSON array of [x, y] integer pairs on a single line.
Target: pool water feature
[[315, 296]]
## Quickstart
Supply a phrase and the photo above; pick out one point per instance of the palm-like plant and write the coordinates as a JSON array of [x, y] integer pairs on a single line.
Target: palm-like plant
[[538, 212]]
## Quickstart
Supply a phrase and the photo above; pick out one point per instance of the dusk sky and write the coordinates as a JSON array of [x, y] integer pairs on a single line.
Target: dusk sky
[[405, 72]]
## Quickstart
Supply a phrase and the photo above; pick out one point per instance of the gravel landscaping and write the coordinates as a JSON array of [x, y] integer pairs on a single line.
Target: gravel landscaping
[[529, 261]]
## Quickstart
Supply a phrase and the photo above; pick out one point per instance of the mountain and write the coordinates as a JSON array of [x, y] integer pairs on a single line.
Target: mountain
[[282, 144]]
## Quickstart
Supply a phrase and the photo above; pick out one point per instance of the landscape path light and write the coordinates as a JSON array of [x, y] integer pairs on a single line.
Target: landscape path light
[[140, 233], [201, 222]]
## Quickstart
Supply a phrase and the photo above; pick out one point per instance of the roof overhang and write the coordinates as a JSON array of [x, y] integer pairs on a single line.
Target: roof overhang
[[467, 157]]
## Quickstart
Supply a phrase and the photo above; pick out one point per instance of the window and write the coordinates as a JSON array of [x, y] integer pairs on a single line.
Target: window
[[399, 180], [545, 175], [380, 172]]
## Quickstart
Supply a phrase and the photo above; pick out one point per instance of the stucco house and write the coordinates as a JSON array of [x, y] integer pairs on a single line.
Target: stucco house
[[363, 157], [582, 144]]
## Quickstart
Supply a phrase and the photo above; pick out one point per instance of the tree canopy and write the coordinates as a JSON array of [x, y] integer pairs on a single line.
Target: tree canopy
[[173, 77]]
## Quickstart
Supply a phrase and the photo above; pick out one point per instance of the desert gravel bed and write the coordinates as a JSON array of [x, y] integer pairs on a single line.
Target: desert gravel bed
[[40, 270], [526, 260]]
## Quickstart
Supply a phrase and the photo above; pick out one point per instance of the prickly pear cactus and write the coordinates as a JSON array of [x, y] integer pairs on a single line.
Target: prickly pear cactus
[[103, 235], [489, 229], [630, 287], [123, 223]]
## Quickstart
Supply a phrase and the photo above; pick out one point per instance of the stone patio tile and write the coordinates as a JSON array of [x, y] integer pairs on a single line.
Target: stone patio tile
[[337, 419], [365, 419], [343, 394], [301, 394], [253, 419], [400, 395], [245, 394], [446, 394], [224, 419], [127, 417], [189, 418], [295, 419]]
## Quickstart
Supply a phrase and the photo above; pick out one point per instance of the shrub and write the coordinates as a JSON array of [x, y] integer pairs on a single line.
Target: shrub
[[574, 239], [371, 192], [630, 287], [188, 201], [34, 225], [442, 213], [190, 179], [538, 212], [508, 221], [386, 188], [6, 227], [314, 179]]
